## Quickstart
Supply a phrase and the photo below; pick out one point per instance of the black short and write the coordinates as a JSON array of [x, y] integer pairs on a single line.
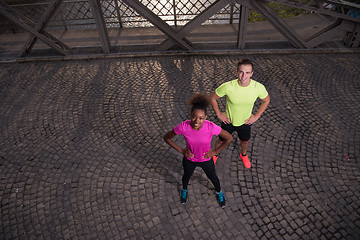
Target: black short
[[243, 131]]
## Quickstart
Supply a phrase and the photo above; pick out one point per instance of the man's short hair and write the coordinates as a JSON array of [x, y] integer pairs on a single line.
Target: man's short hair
[[244, 62]]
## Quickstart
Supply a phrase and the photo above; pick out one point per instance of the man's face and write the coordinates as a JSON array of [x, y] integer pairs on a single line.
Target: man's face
[[244, 72]]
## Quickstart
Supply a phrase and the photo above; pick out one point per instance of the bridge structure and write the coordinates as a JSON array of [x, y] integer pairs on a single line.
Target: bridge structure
[[82, 154], [174, 21]]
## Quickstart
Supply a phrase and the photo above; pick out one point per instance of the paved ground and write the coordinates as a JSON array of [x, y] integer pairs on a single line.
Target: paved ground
[[82, 155]]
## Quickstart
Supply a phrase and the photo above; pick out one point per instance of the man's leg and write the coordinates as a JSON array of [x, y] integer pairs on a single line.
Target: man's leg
[[244, 132], [244, 145]]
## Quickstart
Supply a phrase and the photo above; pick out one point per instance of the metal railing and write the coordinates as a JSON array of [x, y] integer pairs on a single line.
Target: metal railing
[[176, 19], [77, 14]]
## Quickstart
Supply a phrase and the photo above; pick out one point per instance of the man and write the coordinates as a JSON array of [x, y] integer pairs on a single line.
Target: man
[[241, 95]]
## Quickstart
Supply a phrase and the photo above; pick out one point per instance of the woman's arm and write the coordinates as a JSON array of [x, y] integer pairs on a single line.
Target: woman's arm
[[168, 139], [227, 140]]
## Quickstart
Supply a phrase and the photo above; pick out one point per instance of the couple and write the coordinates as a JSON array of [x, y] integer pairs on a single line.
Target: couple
[[240, 95]]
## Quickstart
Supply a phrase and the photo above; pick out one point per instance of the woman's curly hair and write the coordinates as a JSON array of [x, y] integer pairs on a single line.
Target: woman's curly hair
[[199, 101]]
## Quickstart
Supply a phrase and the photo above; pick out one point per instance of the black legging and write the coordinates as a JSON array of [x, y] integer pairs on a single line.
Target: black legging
[[208, 167]]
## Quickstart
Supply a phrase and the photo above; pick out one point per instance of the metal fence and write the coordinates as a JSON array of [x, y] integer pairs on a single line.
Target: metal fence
[[77, 14], [41, 16]]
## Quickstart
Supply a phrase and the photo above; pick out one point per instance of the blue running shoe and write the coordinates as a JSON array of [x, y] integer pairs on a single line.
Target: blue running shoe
[[221, 199], [183, 196]]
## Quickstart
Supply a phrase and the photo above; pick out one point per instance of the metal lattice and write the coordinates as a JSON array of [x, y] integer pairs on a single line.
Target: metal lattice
[[111, 13], [131, 18], [186, 15], [32, 11], [163, 9], [187, 10], [75, 14], [229, 14]]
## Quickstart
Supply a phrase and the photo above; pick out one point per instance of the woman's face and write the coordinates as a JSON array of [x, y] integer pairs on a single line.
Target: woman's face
[[197, 118]]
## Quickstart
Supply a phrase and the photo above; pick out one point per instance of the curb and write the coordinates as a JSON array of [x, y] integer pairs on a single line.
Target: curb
[[181, 53]]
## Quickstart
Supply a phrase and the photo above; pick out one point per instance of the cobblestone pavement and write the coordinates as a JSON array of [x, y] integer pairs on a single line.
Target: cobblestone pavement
[[82, 155]]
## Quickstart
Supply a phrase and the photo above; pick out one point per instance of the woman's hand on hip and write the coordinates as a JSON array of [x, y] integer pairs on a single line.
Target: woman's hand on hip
[[188, 153], [209, 154]]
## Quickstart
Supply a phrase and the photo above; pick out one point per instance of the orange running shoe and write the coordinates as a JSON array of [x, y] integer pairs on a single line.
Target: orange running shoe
[[215, 158], [245, 160]]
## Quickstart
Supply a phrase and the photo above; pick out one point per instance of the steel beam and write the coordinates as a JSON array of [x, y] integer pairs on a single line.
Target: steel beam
[[157, 22], [27, 24], [101, 26], [195, 22], [262, 7], [40, 25], [324, 34], [243, 21], [118, 13], [343, 6]]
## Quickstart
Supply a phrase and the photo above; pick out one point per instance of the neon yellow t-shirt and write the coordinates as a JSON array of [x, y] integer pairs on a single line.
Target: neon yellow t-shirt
[[240, 100]]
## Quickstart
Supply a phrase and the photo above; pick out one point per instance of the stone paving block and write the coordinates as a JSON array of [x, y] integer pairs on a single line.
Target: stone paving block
[[82, 154]]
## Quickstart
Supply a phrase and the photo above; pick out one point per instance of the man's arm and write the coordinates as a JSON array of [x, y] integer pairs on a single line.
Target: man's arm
[[222, 116], [264, 103]]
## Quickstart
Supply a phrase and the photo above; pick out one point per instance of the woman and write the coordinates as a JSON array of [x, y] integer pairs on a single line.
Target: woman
[[198, 133]]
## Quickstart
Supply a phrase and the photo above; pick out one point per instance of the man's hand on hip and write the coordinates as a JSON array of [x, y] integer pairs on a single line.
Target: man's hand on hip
[[224, 118], [251, 119]]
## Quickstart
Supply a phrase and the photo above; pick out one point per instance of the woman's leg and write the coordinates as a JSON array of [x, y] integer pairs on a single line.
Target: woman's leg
[[189, 168], [209, 169]]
